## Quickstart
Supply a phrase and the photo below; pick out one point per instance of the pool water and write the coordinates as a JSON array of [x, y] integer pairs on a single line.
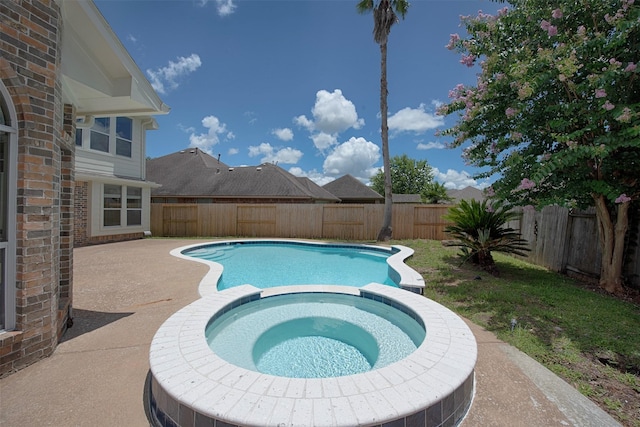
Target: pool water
[[266, 265], [307, 335]]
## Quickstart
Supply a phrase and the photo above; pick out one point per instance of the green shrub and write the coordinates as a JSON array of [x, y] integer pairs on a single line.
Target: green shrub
[[479, 229]]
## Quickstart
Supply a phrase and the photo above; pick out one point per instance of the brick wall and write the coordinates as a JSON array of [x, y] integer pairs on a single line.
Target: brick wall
[[30, 56]]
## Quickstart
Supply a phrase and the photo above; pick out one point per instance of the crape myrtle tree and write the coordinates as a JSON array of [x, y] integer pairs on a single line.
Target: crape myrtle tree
[[385, 14], [556, 109]]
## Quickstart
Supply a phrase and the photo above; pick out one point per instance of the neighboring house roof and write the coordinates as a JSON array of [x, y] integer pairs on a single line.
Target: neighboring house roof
[[406, 198], [99, 77], [348, 187], [467, 194], [193, 173]]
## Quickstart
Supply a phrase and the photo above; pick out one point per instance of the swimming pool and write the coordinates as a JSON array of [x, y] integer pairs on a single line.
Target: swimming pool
[[307, 335], [267, 263], [192, 385]]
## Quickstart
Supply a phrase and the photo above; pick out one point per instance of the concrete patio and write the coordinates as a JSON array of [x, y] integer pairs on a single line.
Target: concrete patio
[[123, 292]]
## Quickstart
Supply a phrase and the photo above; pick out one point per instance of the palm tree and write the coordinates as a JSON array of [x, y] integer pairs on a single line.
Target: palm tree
[[480, 228], [384, 16]]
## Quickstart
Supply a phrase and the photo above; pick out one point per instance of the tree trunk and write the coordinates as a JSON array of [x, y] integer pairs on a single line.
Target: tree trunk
[[385, 233], [612, 237]]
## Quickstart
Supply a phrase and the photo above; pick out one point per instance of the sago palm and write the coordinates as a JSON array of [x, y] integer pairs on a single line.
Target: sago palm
[[385, 14], [480, 229]]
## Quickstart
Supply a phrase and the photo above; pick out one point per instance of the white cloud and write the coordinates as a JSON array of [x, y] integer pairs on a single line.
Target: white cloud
[[431, 146], [332, 114], [415, 120], [216, 130], [454, 180], [283, 134], [322, 141], [355, 157], [224, 7], [165, 78], [315, 176], [270, 154], [232, 151], [302, 121]]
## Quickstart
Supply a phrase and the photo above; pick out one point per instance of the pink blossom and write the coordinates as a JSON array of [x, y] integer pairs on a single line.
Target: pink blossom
[[614, 61], [526, 184], [601, 93], [631, 67], [545, 25], [608, 106], [489, 191], [581, 31], [623, 198], [510, 112], [453, 39], [552, 31], [626, 115], [516, 136], [490, 209], [572, 144], [557, 13], [468, 60], [503, 11]]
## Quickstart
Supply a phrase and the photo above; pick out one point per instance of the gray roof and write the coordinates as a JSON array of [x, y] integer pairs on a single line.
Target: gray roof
[[193, 173], [406, 198], [467, 194], [347, 187]]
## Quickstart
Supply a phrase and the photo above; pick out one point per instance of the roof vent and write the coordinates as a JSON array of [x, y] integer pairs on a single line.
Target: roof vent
[[258, 168], [230, 169]]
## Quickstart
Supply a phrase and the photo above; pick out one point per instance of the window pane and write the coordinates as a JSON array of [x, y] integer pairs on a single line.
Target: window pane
[[134, 217], [2, 289], [79, 137], [4, 178], [134, 197], [124, 128], [112, 196], [102, 125], [111, 217], [99, 141], [123, 147]]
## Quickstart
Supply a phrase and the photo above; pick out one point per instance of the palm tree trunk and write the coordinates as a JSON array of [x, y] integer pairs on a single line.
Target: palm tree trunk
[[385, 231]]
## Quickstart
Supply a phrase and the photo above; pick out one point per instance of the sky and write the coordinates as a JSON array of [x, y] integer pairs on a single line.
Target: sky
[[297, 82]]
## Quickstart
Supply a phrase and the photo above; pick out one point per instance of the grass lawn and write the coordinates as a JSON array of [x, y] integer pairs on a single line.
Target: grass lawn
[[590, 339]]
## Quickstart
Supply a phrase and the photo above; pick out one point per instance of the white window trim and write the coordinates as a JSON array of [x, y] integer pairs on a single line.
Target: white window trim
[[113, 137]]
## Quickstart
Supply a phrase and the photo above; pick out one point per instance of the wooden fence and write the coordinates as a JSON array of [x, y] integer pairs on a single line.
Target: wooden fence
[[321, 221], [559, 239], [567, 241]]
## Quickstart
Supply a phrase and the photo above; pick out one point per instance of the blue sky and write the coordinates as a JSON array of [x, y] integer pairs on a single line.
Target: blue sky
[[297, 82]]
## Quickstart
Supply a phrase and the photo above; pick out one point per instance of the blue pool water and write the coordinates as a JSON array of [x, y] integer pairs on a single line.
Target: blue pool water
[[269, 264], [314, 335]]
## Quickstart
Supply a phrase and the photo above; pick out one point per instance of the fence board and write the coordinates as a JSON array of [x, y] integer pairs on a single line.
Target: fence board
[[558, 239]]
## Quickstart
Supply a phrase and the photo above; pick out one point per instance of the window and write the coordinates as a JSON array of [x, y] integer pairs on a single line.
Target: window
[[112, 205], [119, 211], [8, 191], [79, 137], [110, 135], [134, 206], [124, 135], [100, 132]]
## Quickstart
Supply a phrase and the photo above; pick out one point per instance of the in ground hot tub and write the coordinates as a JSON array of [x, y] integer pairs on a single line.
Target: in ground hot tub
[[431, 384]]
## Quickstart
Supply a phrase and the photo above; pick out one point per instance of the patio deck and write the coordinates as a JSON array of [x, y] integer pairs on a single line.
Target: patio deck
[[124, 291]]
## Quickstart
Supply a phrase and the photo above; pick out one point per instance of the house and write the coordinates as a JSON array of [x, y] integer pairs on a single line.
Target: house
[[351, 190], [467, 193], [406, 198], [193, 176], [74, 108]]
